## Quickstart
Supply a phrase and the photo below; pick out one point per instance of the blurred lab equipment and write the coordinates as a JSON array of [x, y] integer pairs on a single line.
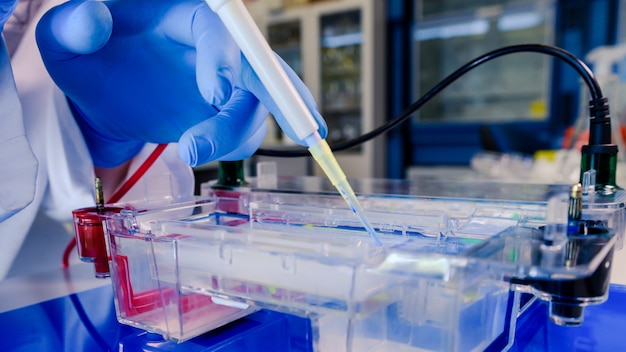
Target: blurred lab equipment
[[489, 111], [339, 50]]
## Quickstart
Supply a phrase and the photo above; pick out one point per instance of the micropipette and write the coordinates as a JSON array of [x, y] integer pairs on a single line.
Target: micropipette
[[257, 51]]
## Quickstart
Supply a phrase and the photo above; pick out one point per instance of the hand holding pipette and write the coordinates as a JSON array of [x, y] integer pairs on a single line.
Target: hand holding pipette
[[188, 84], [297, 116]]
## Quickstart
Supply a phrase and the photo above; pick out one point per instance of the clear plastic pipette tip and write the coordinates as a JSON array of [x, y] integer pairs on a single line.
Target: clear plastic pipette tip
[[324, 156], [348, 194]]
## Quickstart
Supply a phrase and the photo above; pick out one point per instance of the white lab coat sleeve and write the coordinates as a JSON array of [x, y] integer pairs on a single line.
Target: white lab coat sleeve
[[17, 163], [39, 100], [69, 167], [18, 169]]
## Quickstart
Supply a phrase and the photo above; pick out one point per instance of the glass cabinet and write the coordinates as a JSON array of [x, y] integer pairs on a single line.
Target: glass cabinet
[[337, 48], [449, 33]]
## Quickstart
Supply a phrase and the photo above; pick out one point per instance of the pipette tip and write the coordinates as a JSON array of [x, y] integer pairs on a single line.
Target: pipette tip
[[348, 194]]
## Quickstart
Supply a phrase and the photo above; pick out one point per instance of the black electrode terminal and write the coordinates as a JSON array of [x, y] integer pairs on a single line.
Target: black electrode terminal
[[601, 153], [600, 122]]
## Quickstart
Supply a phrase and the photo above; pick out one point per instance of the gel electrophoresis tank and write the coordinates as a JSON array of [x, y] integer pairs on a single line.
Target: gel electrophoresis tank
[[450, 275]]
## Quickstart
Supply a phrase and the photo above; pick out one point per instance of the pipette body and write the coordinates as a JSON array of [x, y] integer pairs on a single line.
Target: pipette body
[[257, 51]]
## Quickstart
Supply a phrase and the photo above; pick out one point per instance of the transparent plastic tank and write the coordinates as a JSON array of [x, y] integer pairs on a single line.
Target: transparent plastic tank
[[437, 283], [147, 293], [471, 206]]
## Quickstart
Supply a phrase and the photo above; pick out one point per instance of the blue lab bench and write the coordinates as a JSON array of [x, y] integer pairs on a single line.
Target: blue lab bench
[[69, 310]]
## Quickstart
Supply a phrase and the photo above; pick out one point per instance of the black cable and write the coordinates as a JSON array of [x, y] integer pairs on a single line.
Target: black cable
[[581, 68]]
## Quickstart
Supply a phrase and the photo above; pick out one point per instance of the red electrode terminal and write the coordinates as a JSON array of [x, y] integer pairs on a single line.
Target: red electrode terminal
[[90, 240], [89, 222], [89, 232]]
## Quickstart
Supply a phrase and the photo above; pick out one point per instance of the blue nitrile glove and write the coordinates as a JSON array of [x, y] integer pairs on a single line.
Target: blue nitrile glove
[[6, 9], [157, 71]]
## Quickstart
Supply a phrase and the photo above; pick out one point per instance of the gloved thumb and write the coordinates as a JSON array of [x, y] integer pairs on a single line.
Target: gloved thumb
[[74, 27], [6, 9], [235, 133]]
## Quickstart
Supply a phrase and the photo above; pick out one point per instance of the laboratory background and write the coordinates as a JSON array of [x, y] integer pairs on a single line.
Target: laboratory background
[[493, 155]]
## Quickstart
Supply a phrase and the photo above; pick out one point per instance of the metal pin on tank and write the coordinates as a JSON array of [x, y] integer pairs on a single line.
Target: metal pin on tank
[[99, 195], [574, 214], [574, 209]]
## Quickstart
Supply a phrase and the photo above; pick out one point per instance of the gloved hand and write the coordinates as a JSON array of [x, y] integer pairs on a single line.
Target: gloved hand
[[6, 9], [158, 71]]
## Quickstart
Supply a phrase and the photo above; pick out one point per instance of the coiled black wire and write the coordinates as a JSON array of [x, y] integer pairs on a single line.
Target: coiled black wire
[[581, 68]]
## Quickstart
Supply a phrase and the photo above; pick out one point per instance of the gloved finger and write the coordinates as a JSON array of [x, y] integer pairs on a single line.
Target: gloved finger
[[218, 58], [231, 128], [6, 9], [248, 148], [251, 82], [74, 28]]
